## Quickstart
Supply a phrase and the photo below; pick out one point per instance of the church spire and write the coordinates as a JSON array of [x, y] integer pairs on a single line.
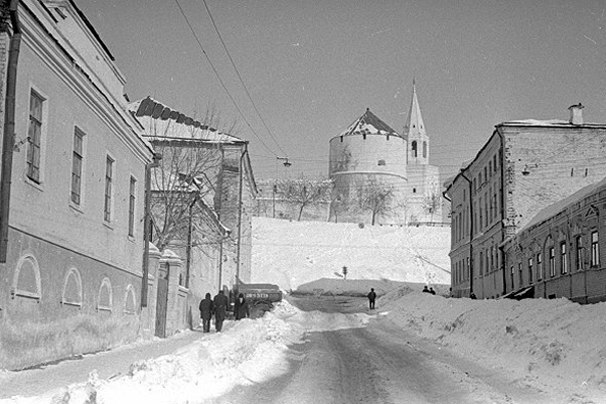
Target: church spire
[[414, 132], [414, 125]]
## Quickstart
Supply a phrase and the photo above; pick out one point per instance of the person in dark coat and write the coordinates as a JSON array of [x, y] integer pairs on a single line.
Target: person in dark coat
[[206, 312], [372, 296], [433, 292], [241, 308], [220, 302], [425, 290]]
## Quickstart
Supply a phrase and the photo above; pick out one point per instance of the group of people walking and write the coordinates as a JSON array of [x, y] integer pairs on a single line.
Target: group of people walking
[[430, 290], [218, 307]]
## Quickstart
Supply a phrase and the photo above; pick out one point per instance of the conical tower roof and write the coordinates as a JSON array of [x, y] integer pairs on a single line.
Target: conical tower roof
[[414, 124], [369, 124]]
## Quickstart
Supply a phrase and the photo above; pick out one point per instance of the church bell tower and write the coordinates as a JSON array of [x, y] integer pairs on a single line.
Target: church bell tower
[[414, 130]]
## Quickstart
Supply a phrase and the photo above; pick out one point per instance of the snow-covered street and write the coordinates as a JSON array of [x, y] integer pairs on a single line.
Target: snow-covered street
[[414, 348]]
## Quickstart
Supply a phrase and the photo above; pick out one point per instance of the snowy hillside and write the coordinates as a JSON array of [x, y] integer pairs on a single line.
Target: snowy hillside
[[294, 253]]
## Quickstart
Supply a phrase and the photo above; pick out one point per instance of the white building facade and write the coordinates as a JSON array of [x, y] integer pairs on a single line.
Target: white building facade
[[75, 224]]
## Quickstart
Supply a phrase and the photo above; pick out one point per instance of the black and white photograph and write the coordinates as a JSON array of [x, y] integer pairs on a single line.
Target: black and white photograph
[[302, 201]]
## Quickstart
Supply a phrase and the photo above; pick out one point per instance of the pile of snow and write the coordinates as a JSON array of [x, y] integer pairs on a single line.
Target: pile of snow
[[290, 254], [555, 345], [247, 352]]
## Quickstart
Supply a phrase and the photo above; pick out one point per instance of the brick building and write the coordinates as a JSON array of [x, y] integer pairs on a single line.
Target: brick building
[[524, 166], [560, 252], [73, 190]]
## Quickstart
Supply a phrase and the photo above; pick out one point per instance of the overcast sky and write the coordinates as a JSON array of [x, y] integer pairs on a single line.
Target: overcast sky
[[314, 66]]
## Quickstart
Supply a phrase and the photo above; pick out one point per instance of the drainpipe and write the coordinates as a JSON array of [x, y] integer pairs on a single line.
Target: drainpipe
[[241, 181], [502, 213], [8, 140], [470, 233], [146, 226]]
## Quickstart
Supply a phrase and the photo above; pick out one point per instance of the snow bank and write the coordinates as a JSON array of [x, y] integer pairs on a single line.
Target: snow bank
[[550, 344], [294, 253], [248, 351]]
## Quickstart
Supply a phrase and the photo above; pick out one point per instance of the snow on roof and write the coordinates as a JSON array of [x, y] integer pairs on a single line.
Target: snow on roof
[[562, 204], [369, 124], [547, 122], [162, 121]]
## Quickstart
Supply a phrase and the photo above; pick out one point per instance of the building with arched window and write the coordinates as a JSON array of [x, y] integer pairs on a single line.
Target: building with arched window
[[501, 195], [383, 176], [73, 216]]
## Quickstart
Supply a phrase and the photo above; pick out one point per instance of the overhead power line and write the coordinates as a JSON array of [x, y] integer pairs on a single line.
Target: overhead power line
[[220, 79], [212, 20]]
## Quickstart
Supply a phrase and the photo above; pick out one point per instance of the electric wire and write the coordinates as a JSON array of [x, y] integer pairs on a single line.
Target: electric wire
[[214, 69], [212, 20]]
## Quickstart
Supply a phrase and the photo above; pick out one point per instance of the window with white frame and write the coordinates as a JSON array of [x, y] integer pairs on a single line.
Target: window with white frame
[[530, 280], [35, 136], [539, 266], [551, 261], [563, 258], [77, 160], [131, 206], [595, 249], [107, 206], [580, 258]]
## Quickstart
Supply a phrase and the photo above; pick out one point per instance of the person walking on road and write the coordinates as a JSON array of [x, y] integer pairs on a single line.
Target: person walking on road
[[220, 303], [433, 292], [241, 308], [372, 296], [206, 312]]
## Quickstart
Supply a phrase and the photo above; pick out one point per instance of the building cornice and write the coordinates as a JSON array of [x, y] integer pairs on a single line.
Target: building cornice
[[43, 44]]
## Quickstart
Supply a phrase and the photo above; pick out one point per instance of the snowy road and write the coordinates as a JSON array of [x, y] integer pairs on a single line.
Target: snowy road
[[378, 363]]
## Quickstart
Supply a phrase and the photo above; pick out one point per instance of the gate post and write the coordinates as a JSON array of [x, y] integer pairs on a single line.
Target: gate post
[[148, 313], [173, 266]]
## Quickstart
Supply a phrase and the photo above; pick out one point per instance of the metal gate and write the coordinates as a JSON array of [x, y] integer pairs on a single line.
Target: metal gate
[[161, 304]]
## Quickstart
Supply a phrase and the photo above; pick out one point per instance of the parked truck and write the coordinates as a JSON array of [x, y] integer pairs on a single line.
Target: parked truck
[[261, 297]]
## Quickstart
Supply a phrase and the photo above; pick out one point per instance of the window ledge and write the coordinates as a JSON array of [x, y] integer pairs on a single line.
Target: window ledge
[[24, 293], [75, 207], [108, 225], [68, 303], [37, 185]]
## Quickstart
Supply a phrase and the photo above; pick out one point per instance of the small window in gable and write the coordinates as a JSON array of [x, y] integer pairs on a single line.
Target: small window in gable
[[72, 288], [130, 302], [26, 281], [104, 299]]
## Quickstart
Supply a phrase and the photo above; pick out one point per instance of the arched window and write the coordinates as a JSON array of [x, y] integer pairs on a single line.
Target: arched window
[[130, 302], [425, 149], [414, 148], [72, 288], [26, 281], [549, 256], [105, 297]]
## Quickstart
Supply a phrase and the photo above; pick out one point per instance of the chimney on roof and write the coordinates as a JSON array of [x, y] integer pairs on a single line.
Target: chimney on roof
[[576, 114]]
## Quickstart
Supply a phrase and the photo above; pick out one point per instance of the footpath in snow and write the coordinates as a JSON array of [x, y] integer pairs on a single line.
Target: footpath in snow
[[554, 346]]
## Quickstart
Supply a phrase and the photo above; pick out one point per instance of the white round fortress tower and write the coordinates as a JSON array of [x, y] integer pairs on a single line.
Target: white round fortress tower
[[367, 163]]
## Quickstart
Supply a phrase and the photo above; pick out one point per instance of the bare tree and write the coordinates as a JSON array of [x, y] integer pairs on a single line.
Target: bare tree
[[375, 196], [304, 191], [182, 188], [183, 184], [431, 203]]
